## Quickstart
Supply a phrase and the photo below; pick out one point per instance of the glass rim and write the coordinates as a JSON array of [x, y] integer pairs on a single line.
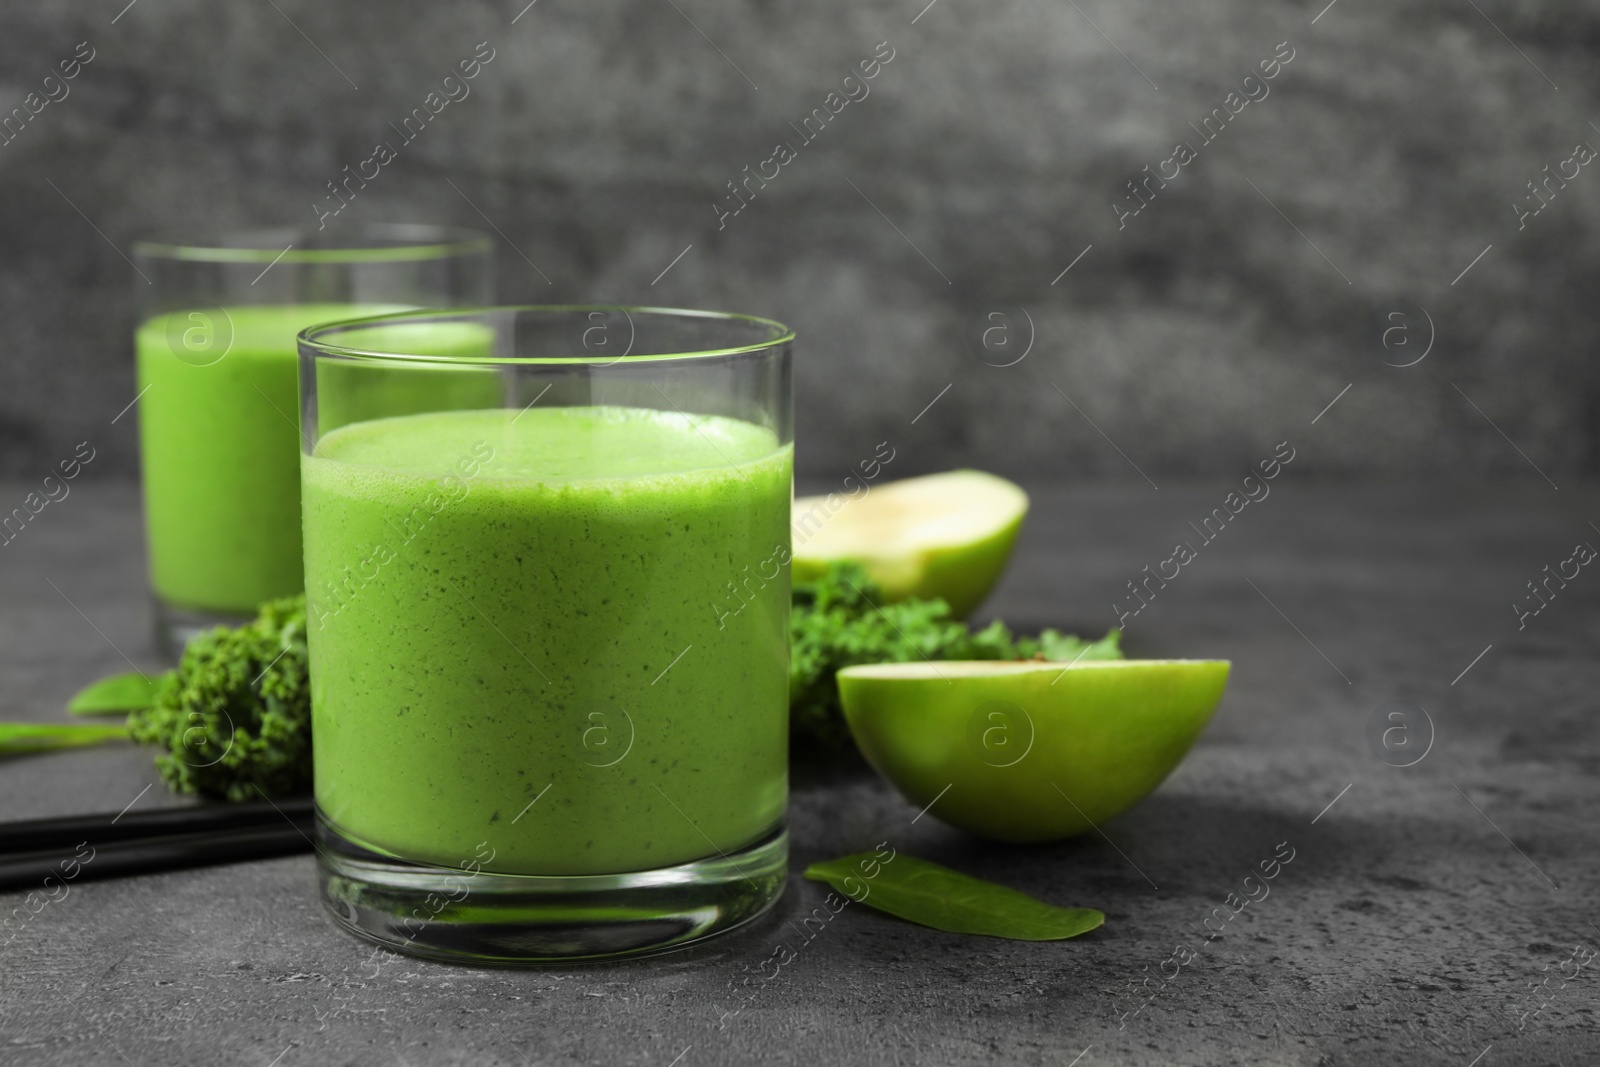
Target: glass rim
[[386, 242], [309, 339]]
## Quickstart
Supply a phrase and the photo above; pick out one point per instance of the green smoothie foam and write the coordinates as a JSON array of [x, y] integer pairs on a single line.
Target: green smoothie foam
[[219, 429], [515, 636]]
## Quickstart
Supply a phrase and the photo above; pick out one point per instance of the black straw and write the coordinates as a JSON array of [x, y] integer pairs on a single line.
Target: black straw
[[44, 853], [46, 872], [64, 834]]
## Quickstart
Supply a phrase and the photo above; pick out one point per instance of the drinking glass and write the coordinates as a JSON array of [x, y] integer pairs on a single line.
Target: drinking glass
[[549, 635], [217, 394]]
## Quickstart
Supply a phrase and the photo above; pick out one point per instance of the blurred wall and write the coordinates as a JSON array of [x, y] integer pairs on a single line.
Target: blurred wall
[[918, 241]]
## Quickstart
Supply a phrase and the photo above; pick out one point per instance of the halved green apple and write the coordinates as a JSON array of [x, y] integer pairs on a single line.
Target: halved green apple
[[940, 535], [1028, 752]]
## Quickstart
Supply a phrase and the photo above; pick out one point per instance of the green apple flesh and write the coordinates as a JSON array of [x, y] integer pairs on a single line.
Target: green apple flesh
[[940, 535], [1028, 752]]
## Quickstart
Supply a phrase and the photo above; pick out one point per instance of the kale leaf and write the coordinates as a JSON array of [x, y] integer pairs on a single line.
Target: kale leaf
[[235, 717], [840, 620]]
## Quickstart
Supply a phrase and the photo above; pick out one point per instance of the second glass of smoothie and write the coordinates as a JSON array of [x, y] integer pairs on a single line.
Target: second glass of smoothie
[[541, 729], [218, 399]]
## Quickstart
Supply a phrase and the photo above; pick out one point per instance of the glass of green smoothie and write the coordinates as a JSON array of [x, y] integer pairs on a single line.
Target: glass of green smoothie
[[217, 392], [548, 634]]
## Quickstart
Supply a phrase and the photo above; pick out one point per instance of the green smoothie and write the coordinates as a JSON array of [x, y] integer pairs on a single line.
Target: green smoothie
[[517, 635], [219, 429]]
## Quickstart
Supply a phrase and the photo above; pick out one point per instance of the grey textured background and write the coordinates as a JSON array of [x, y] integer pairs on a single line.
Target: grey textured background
[[996, 141]]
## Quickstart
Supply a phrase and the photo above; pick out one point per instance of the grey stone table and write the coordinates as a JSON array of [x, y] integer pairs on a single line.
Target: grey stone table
[[1432, 914]]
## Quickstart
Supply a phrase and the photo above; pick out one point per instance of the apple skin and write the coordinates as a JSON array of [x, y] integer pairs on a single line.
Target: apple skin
[[1025, 760], [961, 576]]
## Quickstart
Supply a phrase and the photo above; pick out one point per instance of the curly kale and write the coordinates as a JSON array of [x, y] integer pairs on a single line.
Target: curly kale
[[840, 620], [235, 717]]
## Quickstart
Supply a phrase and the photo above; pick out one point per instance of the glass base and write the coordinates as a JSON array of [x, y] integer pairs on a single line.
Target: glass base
[[488, 919], [175, 627]]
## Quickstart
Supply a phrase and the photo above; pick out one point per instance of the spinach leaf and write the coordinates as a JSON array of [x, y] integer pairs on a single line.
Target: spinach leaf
[[943, 899], [27, 738], [113, 695]]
